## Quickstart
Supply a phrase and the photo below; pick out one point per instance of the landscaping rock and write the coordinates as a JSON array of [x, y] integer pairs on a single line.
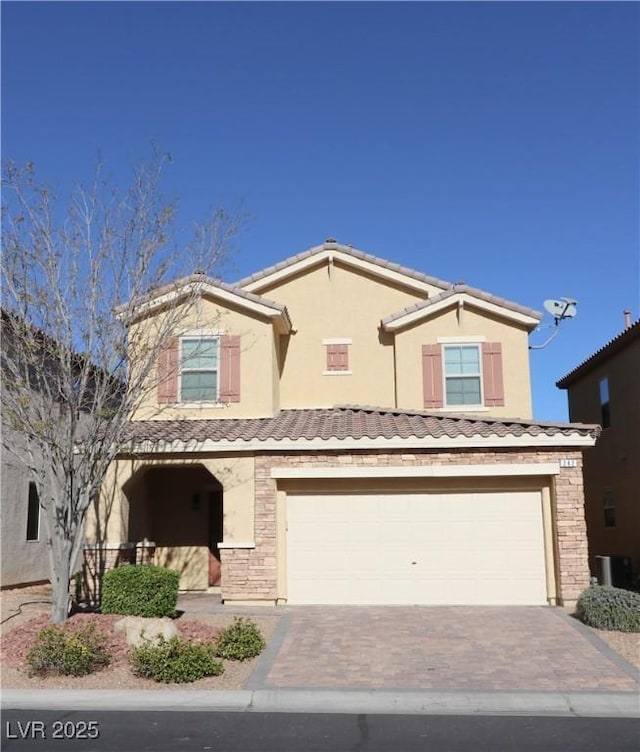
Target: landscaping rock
[[139, 630]]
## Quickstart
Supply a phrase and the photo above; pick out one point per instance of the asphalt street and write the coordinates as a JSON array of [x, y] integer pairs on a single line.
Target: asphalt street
[[165, 731]]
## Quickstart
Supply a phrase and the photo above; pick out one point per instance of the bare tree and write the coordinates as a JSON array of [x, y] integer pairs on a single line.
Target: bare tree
[[74, 273]]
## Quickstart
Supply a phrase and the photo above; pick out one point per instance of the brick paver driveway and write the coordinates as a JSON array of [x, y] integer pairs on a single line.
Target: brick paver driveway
[[438, 648]]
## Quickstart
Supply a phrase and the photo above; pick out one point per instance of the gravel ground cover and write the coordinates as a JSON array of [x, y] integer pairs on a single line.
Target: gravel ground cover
[[627, 644], [20, 630]]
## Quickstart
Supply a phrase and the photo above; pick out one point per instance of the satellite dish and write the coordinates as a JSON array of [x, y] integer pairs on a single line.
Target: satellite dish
[[561, 309]]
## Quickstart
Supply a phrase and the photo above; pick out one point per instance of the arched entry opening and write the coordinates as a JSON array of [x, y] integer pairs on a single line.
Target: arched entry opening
[[180, 509]]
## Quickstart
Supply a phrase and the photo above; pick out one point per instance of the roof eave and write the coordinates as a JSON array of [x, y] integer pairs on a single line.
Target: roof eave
[[614, 346], [278, 314], [403, 319], [574, 440]]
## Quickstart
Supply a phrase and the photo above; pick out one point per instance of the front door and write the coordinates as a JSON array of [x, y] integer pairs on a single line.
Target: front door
[[215, 536]]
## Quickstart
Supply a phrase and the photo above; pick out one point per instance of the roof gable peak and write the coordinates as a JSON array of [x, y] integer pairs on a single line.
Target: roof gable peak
[[347, 255], [461, 294]]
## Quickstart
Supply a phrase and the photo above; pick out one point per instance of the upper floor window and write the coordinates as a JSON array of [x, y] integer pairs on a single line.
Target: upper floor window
[[462, 374], [33, 513], [463, 378], [199, 369], [605, 412]]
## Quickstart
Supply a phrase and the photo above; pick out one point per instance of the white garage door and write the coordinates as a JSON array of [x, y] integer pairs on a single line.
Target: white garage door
[[448, 548]]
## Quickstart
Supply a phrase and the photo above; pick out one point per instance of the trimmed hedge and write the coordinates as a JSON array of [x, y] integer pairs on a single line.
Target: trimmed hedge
[[175, 660], [140, 590], [606, 607]]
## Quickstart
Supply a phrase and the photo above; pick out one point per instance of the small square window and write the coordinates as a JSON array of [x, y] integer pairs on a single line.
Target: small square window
[[463, 383], [33, 513]]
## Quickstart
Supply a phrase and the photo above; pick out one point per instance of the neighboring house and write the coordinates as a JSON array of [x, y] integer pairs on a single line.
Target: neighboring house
[[25, 552], [605, 389], [25, 557], [339, 429]]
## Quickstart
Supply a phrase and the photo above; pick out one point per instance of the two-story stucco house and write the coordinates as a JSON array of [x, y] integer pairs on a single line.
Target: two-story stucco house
[[340, 429], [605, 389]]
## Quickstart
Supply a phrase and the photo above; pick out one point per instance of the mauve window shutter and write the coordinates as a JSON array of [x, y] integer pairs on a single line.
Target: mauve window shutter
[[331, 357], [342, 357], [432, 376], [230, 368], [337, 357], [168, 372], [492, 374]]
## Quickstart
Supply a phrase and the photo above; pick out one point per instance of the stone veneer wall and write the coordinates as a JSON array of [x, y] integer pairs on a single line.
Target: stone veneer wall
[[250, 574]]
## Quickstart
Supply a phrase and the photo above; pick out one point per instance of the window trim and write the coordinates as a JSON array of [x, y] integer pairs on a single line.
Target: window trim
[[199, 334], [472, 339], [450, 344]]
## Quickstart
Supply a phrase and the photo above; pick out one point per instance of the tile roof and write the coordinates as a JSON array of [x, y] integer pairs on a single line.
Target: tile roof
[[349, 251], [203, 279], [347, 421], [614, 345], [462, 288]]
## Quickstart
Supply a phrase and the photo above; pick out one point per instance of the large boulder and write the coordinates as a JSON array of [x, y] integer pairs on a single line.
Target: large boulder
[[139, 630]]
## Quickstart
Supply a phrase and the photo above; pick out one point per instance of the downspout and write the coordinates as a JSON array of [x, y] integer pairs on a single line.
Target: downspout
[[395, 374]]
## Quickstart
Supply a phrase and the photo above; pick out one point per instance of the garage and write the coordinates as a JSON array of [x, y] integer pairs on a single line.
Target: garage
[[427, 548]]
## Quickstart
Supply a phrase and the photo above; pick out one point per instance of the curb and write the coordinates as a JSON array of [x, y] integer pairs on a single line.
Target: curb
[[577, 704]]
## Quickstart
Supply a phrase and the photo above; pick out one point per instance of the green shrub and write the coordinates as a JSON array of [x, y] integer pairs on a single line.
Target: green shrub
[[611, 608], [67, 651], [142, 590], [240, 640], [175, 660]]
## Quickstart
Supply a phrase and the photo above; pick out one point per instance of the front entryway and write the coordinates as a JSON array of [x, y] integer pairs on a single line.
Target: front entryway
[[180, 509], [447, 548]]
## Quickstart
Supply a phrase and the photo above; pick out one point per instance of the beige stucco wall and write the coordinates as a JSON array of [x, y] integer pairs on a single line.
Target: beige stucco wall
[[338, 302], [467, 322], [258, 362]]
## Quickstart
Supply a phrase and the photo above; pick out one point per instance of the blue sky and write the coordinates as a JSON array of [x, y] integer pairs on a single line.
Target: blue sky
[[495, 143]]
